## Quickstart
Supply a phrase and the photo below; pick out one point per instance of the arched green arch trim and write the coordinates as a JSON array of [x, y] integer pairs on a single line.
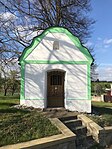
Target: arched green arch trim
[[73, 38]]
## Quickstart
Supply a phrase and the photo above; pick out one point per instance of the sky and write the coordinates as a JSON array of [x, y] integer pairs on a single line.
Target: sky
[[101, 37]]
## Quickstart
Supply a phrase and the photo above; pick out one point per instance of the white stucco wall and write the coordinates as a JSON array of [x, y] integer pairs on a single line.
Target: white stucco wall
[[67, 50], [36, 80], [75, 86], [34, 103]]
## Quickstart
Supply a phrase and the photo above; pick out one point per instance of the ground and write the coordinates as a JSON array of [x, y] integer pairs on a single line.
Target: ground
[[19, 125], [102, 113]]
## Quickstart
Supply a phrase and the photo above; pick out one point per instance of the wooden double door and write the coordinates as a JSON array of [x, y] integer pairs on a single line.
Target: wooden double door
[[55, 88]]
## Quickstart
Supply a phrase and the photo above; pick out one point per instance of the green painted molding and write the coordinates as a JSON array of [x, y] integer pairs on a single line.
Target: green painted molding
[[36, 41], [46, 99], [77, 99], [22, 95], [22, 91], [54, 62], [89, 82], [73, 38], [33, 99]]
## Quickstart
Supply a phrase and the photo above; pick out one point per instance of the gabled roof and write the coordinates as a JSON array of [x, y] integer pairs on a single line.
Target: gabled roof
[[74, 39]]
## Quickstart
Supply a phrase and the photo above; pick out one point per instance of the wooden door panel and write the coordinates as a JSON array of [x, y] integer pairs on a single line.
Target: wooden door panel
[[55, 102], [55, 89]]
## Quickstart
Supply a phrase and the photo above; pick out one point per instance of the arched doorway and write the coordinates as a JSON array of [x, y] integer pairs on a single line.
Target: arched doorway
[[55, 88]]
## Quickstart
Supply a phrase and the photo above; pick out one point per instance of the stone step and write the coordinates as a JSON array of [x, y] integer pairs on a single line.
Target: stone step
[[80, 130], [82, 139], [85, 142], [73, 123], [91, 143], [67, 118]]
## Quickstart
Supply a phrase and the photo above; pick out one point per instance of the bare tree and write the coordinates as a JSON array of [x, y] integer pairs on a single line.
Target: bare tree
[[20, 20], [5, 81], [14, 81], [9, 76]]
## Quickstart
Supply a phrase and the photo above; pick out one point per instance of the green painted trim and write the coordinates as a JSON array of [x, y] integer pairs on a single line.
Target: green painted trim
[[22, 94], [37, 40], [65, 99], [89, 82], [34, 99], [73, 38], [88, 87], [77, 99], [54, 62]]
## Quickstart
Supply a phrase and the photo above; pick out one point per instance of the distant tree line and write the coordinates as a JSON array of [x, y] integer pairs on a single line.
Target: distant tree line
[[9, 83], [99, 88]]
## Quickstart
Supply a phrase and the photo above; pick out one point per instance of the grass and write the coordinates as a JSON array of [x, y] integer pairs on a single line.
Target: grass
[[21, 125], [102, 104], [8, 101], [103, 112], [18, 125]]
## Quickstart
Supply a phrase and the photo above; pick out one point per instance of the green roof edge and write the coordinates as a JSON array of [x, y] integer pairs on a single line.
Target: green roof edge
[[36, 40]]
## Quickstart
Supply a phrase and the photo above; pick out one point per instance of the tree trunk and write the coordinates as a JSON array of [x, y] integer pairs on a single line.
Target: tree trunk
[[13, 92], [5, 93]]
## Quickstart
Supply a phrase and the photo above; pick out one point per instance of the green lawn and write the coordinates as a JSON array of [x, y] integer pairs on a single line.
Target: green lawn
[[21, 125], [103, 112], [102, 104], [8, 101]]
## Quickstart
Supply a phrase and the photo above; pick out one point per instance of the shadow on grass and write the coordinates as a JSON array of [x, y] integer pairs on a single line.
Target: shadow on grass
[[13, 110], [102, 110], [7, 104], [9, 97]]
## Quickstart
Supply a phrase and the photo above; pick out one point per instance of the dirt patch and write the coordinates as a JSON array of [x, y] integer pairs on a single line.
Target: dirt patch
[[49, 112], [57, 112]]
